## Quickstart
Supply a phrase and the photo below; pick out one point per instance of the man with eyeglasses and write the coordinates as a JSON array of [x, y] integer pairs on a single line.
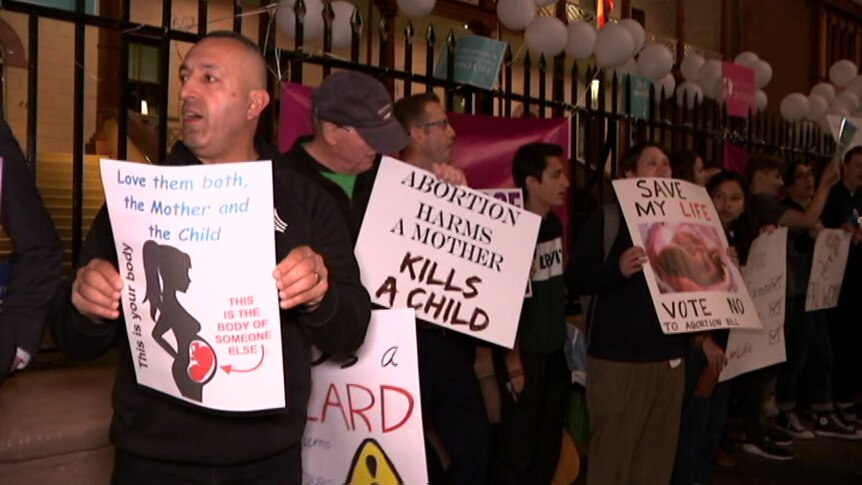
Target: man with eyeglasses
[[452, 403], [353, 122]]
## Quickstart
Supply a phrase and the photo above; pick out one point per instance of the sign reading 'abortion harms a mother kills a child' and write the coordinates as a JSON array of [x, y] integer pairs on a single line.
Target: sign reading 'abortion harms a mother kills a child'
[[460, 258], [196, 253], [693, 283]]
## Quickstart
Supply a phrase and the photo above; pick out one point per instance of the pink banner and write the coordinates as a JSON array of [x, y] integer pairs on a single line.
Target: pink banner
[[484, 145], [735, 158], [738, 88]]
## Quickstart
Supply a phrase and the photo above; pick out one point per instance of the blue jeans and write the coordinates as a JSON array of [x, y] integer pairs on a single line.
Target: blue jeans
[[702, 424], [808, 350]]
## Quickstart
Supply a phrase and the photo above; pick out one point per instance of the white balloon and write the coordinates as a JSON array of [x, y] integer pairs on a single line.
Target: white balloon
[[855, 85], [850, 99], [690, 94], [842, 72], [636, 29], [711, 69], [582, 39], [629, 67], [312, 27], [655, 61], [817, 106], [416, 8], [690, 67], [762, 73], [838, 111], [516, 14], [746, 58], [824, 89], [614, 46], [794, 106], [546, 35], [712, 88], [664, 87], [342, 31], [760, 101]]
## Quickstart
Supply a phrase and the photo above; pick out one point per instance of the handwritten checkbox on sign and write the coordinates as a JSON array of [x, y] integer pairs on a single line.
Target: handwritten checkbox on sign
[[775, 336], [774, 308]]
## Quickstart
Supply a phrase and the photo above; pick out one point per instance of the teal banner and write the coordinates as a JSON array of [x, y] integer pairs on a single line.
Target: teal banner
[[637, 96], [477, 61], [89, 5]]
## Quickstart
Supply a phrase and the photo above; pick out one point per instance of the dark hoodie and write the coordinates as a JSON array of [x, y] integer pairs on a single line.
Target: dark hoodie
[[158, 427]]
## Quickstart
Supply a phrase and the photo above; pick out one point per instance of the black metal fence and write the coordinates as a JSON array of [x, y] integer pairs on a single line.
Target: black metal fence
[[601, 127]]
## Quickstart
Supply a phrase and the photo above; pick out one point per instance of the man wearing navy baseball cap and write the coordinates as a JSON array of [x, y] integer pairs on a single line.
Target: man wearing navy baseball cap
[[353, 121]]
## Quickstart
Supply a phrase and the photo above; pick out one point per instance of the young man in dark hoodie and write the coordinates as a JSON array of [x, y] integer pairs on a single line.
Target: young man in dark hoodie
[[160, 439]]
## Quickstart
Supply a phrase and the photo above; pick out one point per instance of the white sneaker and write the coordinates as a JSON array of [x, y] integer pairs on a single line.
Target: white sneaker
[[790, 424]]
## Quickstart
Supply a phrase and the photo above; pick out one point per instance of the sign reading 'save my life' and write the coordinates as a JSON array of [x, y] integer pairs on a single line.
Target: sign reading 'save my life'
[[459, 257], [196, 252], [693, 283]]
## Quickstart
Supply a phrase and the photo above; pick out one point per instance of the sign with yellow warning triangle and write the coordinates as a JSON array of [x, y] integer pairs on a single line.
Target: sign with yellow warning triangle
[[364, 414]]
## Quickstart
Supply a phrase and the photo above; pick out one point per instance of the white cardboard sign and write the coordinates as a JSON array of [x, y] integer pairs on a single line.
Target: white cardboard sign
[[203, 323], [459, 257], [827, 270], [365, 414], [693, 283], [766, 278]]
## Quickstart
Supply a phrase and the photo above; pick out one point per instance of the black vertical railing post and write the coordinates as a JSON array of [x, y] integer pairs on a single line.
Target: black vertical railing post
[[328, 17], [32, 88], [78, 133], [409, 38], [601, 121], [122, 111], [237, 16], [356, 23], [202, 17], [164, 62], [507, 81], [450, 70], [267, 127], [528, 77], [543, 77], [299, 12], [430, 40]]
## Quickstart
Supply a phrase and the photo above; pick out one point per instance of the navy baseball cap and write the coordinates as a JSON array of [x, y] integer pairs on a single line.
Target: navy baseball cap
[[357, 100]]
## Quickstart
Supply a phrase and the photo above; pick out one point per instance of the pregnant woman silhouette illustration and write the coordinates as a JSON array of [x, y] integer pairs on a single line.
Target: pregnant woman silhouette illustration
[[167, 272]]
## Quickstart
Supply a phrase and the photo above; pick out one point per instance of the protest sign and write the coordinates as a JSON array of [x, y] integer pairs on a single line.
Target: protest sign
[[694, 286], [765, 277], [516, 198], [845, 132], [827, 271], [477, 61], [637, 95], [196, 253], [365, 414], [460, 258], [737, 88]]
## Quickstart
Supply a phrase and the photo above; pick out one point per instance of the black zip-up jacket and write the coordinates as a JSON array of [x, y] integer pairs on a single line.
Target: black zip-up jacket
[[624, 325], [152, 425], [353, 208]]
